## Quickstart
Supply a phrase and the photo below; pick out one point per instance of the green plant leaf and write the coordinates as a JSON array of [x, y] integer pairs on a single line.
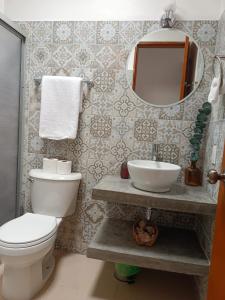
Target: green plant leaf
[[194, 156], [200, 124], [198, 136], [196, 147], [194, 141], [198, 130], [202, 117], [207, 108]]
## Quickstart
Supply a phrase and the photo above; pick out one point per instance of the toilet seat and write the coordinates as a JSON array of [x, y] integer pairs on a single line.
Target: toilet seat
[[27, 231]]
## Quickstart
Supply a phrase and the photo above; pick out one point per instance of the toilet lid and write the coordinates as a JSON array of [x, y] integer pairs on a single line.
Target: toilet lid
[[27, 230]]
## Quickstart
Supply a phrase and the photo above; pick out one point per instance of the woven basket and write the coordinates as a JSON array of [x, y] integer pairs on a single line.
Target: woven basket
[[152, 238]]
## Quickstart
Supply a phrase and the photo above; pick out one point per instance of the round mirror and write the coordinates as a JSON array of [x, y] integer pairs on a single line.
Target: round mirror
[[165, 67]]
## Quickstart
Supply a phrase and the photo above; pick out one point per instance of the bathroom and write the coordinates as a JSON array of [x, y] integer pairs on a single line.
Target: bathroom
[[78, 118]]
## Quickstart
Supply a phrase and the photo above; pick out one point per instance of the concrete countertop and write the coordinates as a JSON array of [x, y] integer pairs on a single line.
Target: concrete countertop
[[181, 198]]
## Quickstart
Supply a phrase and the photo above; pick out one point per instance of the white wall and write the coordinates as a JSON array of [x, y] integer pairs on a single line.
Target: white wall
[[222, 7], [41, 10], [2, 6]]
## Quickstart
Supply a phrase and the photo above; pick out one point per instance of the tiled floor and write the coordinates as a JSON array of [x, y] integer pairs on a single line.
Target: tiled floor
[[79, 278]]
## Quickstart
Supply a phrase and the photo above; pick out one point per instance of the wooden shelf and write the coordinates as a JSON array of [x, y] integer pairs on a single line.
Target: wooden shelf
[[181, 198], [176, 250]]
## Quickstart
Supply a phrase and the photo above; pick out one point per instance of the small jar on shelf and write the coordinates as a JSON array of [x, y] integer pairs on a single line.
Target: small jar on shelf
[[193, 175]]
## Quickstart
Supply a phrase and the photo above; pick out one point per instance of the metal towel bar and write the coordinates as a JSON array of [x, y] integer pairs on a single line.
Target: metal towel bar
[[89, 83]]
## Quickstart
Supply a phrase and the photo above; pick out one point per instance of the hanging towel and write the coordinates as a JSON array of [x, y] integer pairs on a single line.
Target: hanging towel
[[214, 89], [61, 100], [222, 88]]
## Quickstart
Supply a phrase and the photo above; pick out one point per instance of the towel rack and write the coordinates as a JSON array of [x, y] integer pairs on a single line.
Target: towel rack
[[89, 83]]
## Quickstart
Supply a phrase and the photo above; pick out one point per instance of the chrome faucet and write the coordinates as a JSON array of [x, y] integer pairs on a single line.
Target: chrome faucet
[[155, 152]]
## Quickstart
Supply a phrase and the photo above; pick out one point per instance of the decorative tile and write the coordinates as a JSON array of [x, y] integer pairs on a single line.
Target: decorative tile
[[98, 169], [35, 160], [36, 144], [191, 108], [85, 32], [95, 213], [172, 219], [27, 30], [77, 147], [34, 119], [186, 26], [99, 148], [63, 56], [150, 26], [41, 55], [107, 32], [57, 149], [63, 32], [220, 42], [169, 132], [145, 130], [121, 151], [174, 112], [146, 111], [84, 56], [121, 79], [124, 106], [169, 153], [60, 71], [204, 32], [188, 129], [42, 32], [125, 212], [123, 127], [101, 126], [104, 81], [130, 32], [101, 104], [142, 150], [107, 56]]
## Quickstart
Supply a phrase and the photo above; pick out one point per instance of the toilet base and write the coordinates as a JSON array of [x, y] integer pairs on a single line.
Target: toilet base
[[22, 283]]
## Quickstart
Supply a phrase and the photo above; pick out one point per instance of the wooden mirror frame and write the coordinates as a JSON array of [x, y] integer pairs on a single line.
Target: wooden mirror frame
[[192, 50], [185, 45]]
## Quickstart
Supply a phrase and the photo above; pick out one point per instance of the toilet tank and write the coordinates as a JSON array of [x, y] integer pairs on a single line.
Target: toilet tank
[[54, 194]]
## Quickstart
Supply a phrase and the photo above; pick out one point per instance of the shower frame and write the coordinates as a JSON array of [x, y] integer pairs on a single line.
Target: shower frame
[[14, 29]]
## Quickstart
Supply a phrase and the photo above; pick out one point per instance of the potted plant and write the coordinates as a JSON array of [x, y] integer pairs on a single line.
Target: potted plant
[[193, 175]]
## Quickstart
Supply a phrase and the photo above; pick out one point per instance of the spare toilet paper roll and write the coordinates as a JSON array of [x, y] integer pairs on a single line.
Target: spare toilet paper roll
[[50, 165], [64, 167]]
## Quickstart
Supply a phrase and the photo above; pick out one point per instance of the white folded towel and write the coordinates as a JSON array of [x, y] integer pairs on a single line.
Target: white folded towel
[[214, 90], [61, 100]]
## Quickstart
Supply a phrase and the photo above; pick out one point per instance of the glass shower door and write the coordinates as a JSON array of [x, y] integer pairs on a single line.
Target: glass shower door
[[10, 78]]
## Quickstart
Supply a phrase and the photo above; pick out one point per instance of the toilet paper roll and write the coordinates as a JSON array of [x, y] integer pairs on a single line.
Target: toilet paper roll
[[64, 167], [50, 165]]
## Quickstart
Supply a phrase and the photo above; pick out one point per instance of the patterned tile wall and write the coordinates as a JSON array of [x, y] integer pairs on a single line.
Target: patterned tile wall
[[115, 125], [215, 136]]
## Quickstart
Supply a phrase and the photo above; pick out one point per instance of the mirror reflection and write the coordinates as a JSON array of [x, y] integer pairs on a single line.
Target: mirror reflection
[[165, 67]]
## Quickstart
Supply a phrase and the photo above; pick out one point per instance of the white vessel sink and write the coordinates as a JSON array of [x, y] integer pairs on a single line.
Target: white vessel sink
[[153, 176]]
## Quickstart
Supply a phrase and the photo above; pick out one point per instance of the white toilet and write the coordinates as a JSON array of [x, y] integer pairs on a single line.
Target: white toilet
[[27, 242]]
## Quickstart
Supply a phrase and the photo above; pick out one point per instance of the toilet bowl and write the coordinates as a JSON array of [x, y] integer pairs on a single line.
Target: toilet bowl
[[27, 242]]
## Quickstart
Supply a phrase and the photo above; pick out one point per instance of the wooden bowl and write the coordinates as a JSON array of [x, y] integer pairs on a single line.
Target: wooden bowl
[[143, 237]]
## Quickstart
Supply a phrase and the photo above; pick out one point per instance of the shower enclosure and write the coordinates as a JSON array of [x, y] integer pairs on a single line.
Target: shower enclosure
[[11, 61]]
